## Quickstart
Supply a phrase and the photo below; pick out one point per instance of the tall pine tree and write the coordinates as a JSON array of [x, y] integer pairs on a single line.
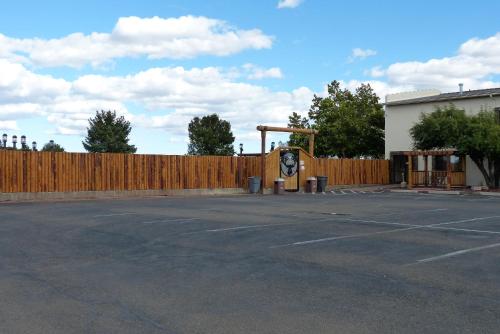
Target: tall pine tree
[[108, 133], [210, 135]]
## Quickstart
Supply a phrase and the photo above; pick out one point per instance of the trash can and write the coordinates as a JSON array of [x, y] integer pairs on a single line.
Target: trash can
[[254, 184], [311, 185], [322, 182], [279, 186]]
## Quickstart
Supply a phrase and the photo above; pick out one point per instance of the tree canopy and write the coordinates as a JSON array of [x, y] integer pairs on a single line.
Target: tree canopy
[[52, 147], [210, 135], [349, 124], [297, 139], [108, 133], [477, 136]]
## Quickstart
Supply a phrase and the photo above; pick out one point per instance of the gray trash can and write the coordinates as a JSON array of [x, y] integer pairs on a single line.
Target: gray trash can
[[322, 182], [254, 184]]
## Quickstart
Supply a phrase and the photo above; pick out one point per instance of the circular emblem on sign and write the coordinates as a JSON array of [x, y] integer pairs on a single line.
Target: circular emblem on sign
[[289, 164]]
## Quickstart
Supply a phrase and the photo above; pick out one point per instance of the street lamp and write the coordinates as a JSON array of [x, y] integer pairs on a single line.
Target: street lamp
[[14, 141], [4, 139], [241, 148], [33, 145], [23, 141]]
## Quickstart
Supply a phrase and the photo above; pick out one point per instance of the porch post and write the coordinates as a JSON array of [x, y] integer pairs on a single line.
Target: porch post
[[410, 178], [426, 167], [263, 161], [448, 173]]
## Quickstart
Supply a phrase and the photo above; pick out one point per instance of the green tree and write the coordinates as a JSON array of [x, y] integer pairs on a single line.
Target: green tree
[[52, 147], [210, 135], [108, 133], [349, 124], [477, 136], [296, 139]]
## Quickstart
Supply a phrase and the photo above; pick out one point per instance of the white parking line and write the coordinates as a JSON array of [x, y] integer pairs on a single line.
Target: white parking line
[[179, 220], [246, 227], [307, 242], [410, 227], [460, 252], [115, 214]]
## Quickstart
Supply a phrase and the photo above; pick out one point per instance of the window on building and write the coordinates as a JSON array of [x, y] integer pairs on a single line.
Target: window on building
[[439, 163]]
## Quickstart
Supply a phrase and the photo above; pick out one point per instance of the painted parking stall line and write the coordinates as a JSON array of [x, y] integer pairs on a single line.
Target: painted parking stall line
[[114, 214], [438, 226], [179, 221], [457, 253]]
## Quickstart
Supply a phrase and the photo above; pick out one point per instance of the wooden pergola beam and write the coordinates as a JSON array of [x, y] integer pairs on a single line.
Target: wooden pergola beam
[[429, 153], [295, 130]]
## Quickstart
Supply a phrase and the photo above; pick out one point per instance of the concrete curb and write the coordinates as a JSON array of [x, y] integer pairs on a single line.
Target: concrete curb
[[80, 195], [445, 192]]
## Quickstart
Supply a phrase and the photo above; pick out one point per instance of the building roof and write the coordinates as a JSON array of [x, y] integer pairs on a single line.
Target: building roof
[[448, 97]]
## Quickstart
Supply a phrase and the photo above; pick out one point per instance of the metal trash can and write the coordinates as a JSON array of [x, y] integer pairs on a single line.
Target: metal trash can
[[311, 185], [279, 186], [254, 184], [322, 182]]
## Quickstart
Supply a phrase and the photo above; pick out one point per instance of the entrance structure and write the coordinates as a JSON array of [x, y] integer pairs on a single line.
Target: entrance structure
[[264, 129]]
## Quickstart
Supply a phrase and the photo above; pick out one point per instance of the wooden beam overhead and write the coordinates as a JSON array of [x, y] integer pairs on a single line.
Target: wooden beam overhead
[[278, 129]]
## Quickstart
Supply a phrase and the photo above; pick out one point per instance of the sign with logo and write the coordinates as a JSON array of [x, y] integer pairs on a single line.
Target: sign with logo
[[289, 162]]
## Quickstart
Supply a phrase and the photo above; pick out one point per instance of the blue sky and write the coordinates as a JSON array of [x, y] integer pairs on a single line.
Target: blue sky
[[160, 63]]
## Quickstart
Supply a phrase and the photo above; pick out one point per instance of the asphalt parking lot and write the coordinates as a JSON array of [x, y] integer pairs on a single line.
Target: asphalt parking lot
[[347, 262]]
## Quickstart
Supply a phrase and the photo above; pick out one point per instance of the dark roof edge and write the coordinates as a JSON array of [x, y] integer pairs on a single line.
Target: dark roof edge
[[441, 98]]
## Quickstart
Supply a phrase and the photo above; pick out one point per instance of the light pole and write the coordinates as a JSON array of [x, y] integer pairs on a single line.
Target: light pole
[[4, 139], [23, 142], [14, 141], [33, 146], [241, 148]]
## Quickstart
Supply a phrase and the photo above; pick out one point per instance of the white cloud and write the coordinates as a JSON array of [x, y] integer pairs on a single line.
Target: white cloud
[[475, 63], [359, 53], [170, 97], [289, 3], [155, 38], [257, 73], [8, 126], [375, 72]]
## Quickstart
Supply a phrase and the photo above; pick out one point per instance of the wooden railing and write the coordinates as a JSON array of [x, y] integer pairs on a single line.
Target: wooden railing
[[437, 178]]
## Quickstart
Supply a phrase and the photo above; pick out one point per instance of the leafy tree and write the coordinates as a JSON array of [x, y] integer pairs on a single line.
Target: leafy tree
[[298, 139], [108, 133], [52, 147], [210, 135], [477, 136], [349, 124]]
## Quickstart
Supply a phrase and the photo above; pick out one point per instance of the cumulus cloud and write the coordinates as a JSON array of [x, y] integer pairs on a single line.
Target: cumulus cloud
[[257, 73], [475, 63], [8, 126], [359, 53], [154, 38], [169, 98], [289, 3]]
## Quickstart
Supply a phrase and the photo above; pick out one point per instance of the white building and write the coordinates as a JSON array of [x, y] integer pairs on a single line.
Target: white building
[[403, 110]]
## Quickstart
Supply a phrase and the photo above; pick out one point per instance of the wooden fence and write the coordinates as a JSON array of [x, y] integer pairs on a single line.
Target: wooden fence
[[69, 172], [353, 171]]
